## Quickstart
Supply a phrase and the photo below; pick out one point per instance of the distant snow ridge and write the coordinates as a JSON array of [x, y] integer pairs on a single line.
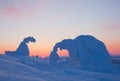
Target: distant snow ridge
[[22, 48], [89, 51]]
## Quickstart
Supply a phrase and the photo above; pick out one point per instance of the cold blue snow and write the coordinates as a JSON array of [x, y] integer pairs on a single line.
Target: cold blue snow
[[25, 68], [90, 52]]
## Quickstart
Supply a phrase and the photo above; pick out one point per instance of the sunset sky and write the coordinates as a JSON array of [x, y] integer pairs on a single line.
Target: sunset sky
[[50, 21]]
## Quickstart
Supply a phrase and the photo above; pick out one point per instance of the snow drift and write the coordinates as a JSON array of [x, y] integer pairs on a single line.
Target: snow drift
[[23, 68]]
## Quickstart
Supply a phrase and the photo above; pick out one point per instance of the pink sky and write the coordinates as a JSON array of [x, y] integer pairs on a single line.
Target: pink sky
[[52, 21]]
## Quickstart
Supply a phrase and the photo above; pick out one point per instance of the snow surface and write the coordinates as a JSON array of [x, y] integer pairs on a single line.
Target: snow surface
[[23, 68]]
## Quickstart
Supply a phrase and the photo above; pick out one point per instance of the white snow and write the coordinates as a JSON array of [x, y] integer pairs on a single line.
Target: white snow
[[36, 69]]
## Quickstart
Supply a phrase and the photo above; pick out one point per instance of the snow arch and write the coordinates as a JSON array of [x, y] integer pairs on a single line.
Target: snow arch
[[91, 53]]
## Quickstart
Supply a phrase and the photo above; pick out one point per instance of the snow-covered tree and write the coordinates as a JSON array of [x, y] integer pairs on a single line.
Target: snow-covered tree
[[22, 48]]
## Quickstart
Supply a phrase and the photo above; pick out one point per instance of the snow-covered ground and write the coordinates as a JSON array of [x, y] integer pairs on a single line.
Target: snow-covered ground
[[37, 69]]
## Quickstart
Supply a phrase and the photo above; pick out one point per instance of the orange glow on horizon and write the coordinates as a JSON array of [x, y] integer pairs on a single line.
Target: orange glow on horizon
[[113, 49], [63, 53], [46, 53]]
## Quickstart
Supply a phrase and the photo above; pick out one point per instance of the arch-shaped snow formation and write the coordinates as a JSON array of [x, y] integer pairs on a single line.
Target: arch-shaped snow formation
[[91, 53]]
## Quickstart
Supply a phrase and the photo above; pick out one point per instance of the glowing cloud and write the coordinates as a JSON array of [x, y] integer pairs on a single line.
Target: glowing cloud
[[11, 11]]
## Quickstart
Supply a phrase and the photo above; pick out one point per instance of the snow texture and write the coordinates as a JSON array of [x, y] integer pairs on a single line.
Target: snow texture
[[23, 68], [89, 51]]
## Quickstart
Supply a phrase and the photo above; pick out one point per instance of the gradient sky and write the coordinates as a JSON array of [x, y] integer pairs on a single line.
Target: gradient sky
[[51, 21]]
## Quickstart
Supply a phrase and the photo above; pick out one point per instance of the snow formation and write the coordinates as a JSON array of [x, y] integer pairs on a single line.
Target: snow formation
[[22, 48], [89, 51]]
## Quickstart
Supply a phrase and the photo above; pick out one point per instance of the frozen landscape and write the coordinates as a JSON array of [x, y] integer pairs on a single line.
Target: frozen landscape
[[59, 40], [38, 69], [88, 60]]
